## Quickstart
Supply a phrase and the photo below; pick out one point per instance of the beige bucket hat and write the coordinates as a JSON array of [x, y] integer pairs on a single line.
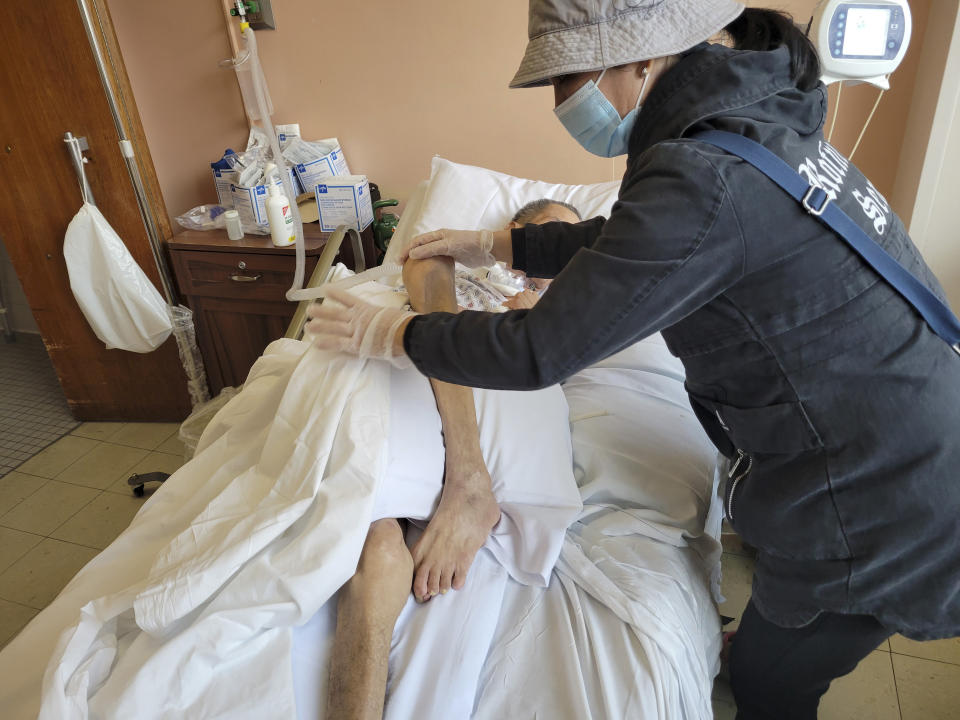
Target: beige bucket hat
[[571, 36]]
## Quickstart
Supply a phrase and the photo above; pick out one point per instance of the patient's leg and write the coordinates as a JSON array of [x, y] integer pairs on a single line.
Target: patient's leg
[[468, 510], [366, 613]]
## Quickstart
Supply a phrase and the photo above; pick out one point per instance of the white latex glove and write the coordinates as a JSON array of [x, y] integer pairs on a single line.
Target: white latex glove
[[473, 248], [350, 325]]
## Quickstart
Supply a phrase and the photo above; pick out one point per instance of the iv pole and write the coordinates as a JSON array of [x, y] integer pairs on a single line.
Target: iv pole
[[126, 147], [181, 318]]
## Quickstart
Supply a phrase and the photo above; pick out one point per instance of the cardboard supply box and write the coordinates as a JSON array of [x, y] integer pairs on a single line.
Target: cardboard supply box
[[251, 203], [248, 201], [344, 200], [312, 168]]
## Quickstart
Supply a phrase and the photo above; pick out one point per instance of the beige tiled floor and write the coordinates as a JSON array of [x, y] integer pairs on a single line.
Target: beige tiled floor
[[901, 680], [65, 504], [61, 507]]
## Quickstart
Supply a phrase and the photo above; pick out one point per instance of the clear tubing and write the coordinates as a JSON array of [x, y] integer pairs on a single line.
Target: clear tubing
[[371, 275], [297, 292]]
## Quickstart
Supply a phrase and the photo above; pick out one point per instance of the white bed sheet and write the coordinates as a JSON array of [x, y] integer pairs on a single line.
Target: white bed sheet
[[627, 626], [189, 613], [499, 649]]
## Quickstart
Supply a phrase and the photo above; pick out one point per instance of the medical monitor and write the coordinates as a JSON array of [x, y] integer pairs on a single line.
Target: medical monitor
[[861, 41]]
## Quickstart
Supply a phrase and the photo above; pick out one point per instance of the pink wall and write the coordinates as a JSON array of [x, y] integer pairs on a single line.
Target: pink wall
[[396, 83], [190, 108]]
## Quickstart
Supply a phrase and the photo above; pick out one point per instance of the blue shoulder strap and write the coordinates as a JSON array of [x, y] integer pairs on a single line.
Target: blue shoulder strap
[[816, 202]]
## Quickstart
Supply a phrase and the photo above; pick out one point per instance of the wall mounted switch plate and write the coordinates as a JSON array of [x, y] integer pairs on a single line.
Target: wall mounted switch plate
[[259, 13]]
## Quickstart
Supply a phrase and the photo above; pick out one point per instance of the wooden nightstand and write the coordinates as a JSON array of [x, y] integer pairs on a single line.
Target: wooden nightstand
[[237, 293]]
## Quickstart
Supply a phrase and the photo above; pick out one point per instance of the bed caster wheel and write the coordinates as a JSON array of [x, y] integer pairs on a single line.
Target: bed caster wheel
[[138, 481]]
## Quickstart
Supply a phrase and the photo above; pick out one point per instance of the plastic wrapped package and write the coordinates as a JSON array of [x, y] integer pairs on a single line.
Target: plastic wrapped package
[[211, 217], [505, 280], [315, 161], [203, 217], [184, 331]]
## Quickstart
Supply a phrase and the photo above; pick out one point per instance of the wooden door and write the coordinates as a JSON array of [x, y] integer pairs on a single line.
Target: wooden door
[[49, 84]]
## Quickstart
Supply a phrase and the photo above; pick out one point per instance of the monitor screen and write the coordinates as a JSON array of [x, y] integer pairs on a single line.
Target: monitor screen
[[866, 32]]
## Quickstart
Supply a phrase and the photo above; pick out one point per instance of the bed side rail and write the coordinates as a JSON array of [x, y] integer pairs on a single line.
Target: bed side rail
[[317, 278]]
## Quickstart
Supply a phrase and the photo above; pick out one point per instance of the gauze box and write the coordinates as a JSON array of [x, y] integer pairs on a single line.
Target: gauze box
[[344, 200], [315, 162], [251, 203], [226, 181]]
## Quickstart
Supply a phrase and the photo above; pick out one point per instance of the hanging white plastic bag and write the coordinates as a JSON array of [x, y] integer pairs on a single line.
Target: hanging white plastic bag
[[123, 307]]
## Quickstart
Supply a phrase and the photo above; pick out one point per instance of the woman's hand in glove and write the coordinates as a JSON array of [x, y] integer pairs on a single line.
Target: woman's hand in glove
[[473, 248], [350, 325]]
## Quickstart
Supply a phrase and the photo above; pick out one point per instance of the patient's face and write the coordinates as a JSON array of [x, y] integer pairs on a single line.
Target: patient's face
[[554, 213]]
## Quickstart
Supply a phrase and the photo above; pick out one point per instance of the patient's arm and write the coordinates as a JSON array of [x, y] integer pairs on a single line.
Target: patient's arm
[[468, 510], [430, 287], [430, 284]]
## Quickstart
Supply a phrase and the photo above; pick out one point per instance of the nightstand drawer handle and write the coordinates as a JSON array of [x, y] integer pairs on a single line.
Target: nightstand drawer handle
[[245, 278]]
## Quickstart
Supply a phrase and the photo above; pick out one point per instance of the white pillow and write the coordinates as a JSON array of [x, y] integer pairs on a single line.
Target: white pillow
[[468, 197], [525, 440]]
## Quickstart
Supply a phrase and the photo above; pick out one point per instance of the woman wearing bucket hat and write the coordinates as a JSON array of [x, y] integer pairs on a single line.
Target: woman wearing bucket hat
[[834, 401]]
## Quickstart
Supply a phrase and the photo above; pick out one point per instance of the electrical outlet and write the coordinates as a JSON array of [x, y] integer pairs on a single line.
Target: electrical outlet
[[262, 17]]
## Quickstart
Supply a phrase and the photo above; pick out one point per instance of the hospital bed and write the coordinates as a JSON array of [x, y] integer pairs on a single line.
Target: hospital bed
[[625, 627]]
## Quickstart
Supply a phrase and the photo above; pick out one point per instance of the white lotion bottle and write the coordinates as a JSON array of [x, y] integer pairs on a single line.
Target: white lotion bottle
[[279, 216]]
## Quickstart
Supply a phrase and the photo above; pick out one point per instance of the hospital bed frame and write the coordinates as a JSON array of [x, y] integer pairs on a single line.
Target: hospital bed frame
[[320, 273]]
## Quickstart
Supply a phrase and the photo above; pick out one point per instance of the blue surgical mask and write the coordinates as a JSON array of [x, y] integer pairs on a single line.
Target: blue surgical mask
[[594, 122]]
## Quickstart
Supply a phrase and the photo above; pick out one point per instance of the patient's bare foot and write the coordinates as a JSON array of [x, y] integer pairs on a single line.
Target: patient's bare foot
[[463, 521]]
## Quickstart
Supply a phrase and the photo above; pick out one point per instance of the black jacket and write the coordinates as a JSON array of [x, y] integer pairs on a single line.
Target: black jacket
[[797, 355]]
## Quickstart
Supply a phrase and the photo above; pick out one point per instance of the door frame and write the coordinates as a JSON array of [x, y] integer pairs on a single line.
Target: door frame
[[933, 112]]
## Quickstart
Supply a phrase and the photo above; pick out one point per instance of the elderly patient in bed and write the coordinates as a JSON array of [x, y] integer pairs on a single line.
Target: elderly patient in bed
[[371, 601]]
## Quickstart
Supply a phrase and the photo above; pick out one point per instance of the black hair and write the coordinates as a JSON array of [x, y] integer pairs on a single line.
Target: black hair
[[758, 29], [535, 207]]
